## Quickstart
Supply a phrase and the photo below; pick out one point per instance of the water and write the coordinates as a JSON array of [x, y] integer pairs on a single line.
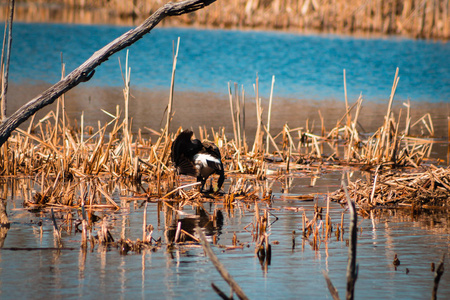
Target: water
[[185, 272], [305, 66]]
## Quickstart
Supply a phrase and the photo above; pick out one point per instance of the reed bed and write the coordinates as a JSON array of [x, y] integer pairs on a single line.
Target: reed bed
[[75, 165], [78, 172], [422, 19], [426, 188]]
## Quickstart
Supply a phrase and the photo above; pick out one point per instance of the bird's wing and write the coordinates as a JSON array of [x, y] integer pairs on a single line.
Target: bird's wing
[[186, 166], [179, 146], [211, 149]]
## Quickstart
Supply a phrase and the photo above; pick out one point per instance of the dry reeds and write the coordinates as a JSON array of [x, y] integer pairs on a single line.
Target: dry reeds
[[422, 19], [418, 189], [387, 147]]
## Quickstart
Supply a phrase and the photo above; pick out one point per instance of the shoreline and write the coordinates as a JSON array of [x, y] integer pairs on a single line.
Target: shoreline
[[193, 109], [393, 18]]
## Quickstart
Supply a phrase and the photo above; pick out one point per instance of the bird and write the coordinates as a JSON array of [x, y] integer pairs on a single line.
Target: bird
[[198, 159]]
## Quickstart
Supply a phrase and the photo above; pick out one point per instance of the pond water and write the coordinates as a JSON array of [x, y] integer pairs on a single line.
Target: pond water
[[306, 67], [186, 273]]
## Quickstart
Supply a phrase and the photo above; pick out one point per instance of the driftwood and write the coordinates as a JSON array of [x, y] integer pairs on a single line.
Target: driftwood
[[85, 71]]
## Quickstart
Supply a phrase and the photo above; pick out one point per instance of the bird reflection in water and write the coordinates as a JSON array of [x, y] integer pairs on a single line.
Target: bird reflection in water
[[182, 227]]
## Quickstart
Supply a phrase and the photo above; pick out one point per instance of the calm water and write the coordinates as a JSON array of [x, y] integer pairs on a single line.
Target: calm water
[[305, 67], [187, 273]]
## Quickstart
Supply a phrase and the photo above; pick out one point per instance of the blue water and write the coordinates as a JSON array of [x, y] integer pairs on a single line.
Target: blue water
[[305, 66]]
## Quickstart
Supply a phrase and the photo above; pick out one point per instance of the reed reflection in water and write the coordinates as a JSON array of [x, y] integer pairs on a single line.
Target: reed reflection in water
[[419, 238]]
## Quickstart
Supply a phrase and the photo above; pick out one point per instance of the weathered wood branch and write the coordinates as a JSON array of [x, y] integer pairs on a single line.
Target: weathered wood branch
[[85, 71], [219, 266]]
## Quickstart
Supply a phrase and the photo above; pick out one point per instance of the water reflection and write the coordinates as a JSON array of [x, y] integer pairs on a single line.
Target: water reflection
[[4, 222], [417, 237], [181, 224]]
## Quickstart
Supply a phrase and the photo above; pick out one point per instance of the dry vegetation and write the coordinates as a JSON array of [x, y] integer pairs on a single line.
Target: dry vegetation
[[423, 19], [76, 166]]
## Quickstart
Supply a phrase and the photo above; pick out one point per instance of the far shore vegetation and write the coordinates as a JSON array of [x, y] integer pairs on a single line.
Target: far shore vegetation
[[411, 18]]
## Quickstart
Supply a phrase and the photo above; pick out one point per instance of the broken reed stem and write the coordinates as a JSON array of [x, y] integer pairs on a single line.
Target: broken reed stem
[[144, 223], [274, 143], [219, 266], [408, 117], [83, 227], [385, 137], [172, 86], [372, 194], [346, 101], [56, 231], [269, 113], [322, 126], [5, 71], [63, 110], [352, 268], [232, 113], [257, 147], [180, 188], [238, 117], [244, 138], [2, 66], [126, 95], [448, 139], [327, 222]]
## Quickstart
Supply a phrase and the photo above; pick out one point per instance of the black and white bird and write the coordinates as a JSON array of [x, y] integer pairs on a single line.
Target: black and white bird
[[198, 159]]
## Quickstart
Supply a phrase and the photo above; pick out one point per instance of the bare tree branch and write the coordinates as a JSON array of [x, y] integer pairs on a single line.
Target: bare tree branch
[[85, 71]]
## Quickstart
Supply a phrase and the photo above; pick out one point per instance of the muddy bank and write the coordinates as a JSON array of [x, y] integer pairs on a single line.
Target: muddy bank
[[194, 109]]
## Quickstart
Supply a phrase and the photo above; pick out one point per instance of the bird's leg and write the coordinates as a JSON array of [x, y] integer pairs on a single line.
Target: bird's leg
[[210, 185], [203, 181], [220, 180]]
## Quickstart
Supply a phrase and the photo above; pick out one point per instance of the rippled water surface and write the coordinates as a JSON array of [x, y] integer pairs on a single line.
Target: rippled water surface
[[185, 272]]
